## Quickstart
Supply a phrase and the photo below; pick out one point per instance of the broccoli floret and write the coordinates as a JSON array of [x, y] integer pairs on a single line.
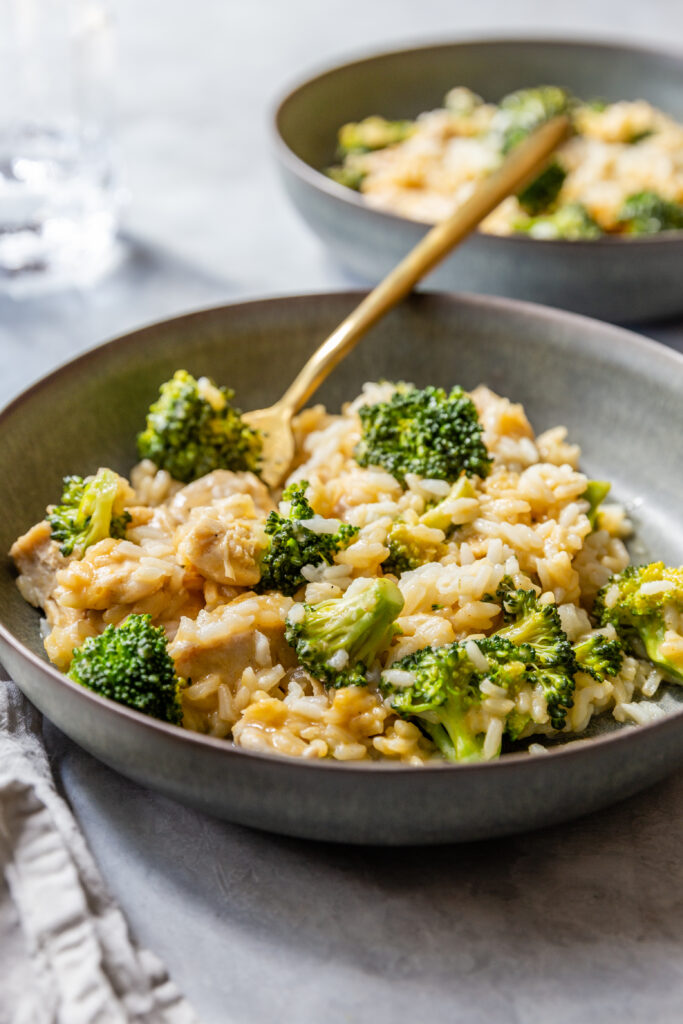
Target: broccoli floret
[[131, 665], [521, 112], [372, 133], [347, 175], [411, 546], [339, 640], [192, 429], [437, 687], [598, 656], [595, 493], [537, 628], [293, 544], [552, 669], [541, 193], [643, 602], [89, 511], [515, 667], [433, 433], [570, 221], [647, 213], [529, 622]]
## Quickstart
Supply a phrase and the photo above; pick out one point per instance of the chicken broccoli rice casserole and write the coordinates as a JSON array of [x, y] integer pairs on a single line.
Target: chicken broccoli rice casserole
[[435, 582], [621, 172]]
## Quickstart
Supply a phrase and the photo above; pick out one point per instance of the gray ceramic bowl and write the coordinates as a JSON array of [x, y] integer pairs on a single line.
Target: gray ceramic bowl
[[620, 396], [619, 279]]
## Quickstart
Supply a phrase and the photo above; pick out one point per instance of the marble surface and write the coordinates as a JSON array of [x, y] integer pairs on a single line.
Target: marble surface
[[574, 924]]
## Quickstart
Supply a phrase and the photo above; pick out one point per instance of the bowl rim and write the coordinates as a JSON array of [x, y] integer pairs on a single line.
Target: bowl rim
[[315, 178], [655, 352]]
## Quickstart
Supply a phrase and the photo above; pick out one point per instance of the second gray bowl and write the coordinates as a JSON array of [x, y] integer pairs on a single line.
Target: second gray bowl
[[619, 279]]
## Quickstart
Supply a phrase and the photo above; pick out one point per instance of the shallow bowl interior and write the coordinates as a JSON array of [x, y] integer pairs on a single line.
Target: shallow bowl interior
[[618, 394]]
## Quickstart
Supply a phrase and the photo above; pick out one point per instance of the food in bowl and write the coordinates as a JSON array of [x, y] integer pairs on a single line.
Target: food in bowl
[[621, 172], [434, 583]]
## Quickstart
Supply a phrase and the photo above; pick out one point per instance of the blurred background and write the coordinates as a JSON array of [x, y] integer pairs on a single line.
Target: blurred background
[[211, 78], [193, 88]]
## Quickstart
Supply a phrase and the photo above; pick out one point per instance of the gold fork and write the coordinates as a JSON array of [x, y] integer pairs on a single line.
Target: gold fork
[[519, 167]]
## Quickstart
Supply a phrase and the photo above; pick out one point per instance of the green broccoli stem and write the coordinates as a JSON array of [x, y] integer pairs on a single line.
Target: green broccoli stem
[[98, 503], [595, 493], [652, 638], [369, 626], [452, 736]]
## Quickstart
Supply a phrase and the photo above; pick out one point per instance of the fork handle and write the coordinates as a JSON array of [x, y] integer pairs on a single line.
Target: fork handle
[[520, 165]]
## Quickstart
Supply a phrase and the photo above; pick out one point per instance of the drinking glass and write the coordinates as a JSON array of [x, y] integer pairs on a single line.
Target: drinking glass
[[59, 191]]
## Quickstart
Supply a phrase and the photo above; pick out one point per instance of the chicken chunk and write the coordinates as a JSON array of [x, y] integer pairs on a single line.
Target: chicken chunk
[[224, 542], [70, 628], [115, 572], [38, 559], [213, 650]]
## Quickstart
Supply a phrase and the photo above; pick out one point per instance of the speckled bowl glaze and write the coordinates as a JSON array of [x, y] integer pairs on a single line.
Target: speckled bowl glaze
[[619, 279], [618, 394]]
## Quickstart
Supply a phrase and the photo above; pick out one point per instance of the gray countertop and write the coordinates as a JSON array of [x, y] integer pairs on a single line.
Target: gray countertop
[[574, 924]]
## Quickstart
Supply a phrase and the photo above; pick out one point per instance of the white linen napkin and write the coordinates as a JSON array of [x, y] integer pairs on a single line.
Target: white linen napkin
[[66, 951]]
